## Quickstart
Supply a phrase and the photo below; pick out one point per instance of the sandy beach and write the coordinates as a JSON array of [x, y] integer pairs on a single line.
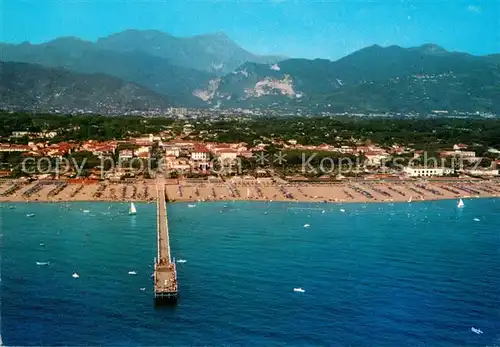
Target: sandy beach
[[54, 191], [345, 191]]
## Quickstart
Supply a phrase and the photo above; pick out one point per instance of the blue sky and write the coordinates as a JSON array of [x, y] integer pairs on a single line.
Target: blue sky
[[326, 29]]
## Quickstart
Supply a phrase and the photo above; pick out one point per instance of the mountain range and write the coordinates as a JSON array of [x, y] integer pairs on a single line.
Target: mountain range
[[212, 70], [33, 87], [375, 78]]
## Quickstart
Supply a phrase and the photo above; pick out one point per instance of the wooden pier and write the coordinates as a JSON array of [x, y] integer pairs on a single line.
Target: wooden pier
[[165, 275]]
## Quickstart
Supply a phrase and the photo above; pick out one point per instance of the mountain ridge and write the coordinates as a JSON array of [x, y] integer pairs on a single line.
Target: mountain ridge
[[373, 78], [30, 86], [428, 76]]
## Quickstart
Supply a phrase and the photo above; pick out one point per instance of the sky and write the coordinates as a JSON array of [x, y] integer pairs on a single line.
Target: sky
[[310, 29]]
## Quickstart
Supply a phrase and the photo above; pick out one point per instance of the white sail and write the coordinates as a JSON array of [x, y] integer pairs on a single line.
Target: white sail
[[132, 209], [460, 203], [410, 199]]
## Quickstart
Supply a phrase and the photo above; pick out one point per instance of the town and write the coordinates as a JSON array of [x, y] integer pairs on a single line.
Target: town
[[203, 160]]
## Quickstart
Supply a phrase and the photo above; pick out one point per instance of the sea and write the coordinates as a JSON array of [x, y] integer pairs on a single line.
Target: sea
[[253, 273]]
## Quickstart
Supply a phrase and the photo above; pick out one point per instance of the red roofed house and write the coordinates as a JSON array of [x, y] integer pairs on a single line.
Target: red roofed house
[[14, 148], [227, 154], [200, 153], [459, 147], [125, 154]]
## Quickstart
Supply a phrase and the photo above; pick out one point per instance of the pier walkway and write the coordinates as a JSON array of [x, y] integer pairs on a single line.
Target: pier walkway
[[165, 275]]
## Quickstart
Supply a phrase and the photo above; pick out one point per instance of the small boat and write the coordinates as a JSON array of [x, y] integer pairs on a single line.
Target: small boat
[[182, 261], [86, 211], [75, 275], [42, 263], [460, 203], [299, 290], [477, 331], [191, 205], [132, 209], [132, 273], [143, 289], [30, 215], [42, 244], [477, 220], [342, 210], [410, 199], [307, 225]]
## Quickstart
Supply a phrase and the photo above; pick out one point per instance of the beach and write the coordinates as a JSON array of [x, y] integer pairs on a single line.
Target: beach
[[344, 191], [54, 191]]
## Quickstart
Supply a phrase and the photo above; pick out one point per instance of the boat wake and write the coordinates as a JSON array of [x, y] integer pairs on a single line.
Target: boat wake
[[42, 263], [477, 331], [304, 209]]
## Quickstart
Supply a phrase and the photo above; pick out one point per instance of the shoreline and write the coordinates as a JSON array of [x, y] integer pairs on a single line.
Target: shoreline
[[187, 201], [340, 193], [333, 202]]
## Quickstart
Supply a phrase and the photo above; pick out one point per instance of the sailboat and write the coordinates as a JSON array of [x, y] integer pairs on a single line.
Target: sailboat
[[132, 209], [410, 199], [460, 203]]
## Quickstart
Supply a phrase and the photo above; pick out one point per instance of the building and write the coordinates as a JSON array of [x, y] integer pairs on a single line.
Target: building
[[426, 172], [14, 148], [19, 134], [200, 153], [375, 158], [172, 150], [459, 147], [227, 154], [456, 153], [143, 151], [125, 154], [187, 129]]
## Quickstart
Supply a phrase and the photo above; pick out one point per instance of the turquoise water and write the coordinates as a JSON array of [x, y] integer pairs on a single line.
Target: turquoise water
[[418, 274]]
